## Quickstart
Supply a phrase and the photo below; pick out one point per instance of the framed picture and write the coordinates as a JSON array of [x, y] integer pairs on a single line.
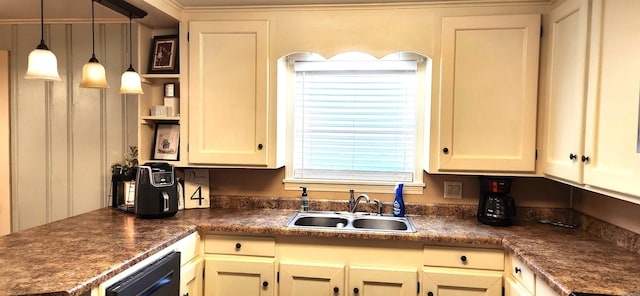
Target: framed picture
[[164, 55], [166, 144]]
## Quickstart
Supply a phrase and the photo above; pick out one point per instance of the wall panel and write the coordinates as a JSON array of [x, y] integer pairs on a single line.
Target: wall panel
[[65, 138]]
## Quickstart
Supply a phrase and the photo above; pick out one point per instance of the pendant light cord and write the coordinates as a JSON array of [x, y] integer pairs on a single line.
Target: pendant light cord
[[130, 46], [93, 35], [42, 21]]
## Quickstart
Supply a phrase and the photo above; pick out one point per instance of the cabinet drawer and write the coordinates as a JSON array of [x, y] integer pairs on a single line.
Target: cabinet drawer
[[240, 245], [476, 258], [522, 273]]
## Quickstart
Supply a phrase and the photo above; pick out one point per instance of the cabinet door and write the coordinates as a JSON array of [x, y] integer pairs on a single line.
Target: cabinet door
[[369, 281], [488, 93], [311, 280], [513, 288], [239, 276], [566, 90], [613, 98], [228, 64], [191, 278], [462, 282], [542, 289]]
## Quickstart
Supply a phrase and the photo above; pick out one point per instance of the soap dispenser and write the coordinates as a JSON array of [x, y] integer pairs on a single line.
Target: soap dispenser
[[305, 200], [398, 203]]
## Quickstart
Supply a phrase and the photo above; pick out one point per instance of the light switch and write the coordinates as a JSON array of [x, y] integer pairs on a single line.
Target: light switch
[[452, 189]]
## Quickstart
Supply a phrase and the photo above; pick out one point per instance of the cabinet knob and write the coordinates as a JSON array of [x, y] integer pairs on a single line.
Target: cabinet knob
[[445, 150], [238, 245], [573, 156], [336, 289], [356, 290], [518, 270], [585, 159], [260, 146], [430, 294], [265, 284], [463, 259]]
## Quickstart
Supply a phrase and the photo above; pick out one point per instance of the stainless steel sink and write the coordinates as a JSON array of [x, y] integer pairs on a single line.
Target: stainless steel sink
[[350, 222]]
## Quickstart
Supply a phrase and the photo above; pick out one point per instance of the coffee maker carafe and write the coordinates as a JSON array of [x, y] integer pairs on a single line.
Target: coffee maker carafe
[[496, 207], [156, 191]]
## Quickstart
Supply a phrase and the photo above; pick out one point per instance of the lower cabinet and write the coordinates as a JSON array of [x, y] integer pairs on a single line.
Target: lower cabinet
[[311, 280], [462, 271], [241, 276], [239, 266], [440, 281], [191, 278], [514, 288], [376, 281], [310, 267], [521, 281]]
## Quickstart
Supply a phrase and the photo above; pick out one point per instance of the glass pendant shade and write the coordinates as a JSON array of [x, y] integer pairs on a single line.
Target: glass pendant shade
[[130, 82], [42, 62], [93, 75], [42, 65]]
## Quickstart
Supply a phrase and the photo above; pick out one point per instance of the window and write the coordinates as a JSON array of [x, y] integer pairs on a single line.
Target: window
[[355, 120]]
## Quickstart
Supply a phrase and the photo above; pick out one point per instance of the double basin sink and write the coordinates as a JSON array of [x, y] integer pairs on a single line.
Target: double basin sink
[[351, 222]]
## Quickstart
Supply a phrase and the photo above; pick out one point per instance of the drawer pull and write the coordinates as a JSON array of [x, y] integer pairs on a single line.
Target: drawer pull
[[238, 245], [463, 259], [430, 294], [265, 284], [518, 270], [336, 289], [356, 290]]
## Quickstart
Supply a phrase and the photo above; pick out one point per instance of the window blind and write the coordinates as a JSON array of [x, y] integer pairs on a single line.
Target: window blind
[[355, 120]]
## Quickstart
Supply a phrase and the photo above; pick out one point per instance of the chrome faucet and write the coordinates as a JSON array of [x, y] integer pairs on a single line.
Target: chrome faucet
[[355, 204], [378, 206], [352, 200]]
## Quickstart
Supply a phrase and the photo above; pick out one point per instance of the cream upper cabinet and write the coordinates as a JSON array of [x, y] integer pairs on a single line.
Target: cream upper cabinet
[[228, 93], [592, 96], [612, 158], [566, 90], [489, 87]]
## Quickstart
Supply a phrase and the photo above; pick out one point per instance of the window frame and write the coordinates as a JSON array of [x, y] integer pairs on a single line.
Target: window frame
[[286, 92]]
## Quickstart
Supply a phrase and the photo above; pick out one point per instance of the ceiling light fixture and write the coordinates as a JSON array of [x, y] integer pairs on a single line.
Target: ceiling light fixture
[[130, 82], [42, 62], [93, 73]]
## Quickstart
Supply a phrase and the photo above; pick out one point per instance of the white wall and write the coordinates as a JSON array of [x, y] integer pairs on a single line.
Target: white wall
[[65, 138]]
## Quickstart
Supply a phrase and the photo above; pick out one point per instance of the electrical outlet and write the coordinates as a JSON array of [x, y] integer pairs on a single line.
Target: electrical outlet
[[452, 189]]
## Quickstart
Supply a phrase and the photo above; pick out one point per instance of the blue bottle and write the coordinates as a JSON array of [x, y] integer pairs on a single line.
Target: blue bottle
[[398, 203]]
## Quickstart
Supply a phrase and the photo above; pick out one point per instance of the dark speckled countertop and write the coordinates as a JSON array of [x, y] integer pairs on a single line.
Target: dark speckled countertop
[[74, 255]]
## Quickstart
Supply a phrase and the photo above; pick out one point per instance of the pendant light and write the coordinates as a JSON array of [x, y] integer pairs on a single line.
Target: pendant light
[[130, 82], [42, 62], [93, 73]]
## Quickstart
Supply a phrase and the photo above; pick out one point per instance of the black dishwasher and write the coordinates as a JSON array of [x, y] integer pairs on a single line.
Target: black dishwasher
[[159, 278]]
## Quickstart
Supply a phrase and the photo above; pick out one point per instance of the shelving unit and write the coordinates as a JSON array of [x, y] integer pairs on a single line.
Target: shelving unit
[[153, 87]]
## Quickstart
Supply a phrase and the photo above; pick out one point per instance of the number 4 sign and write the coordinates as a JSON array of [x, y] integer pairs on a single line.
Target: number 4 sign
[[196, 189]]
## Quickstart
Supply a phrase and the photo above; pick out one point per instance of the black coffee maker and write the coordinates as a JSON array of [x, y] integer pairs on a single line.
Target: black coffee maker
[[156, 191], [496, 207]]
